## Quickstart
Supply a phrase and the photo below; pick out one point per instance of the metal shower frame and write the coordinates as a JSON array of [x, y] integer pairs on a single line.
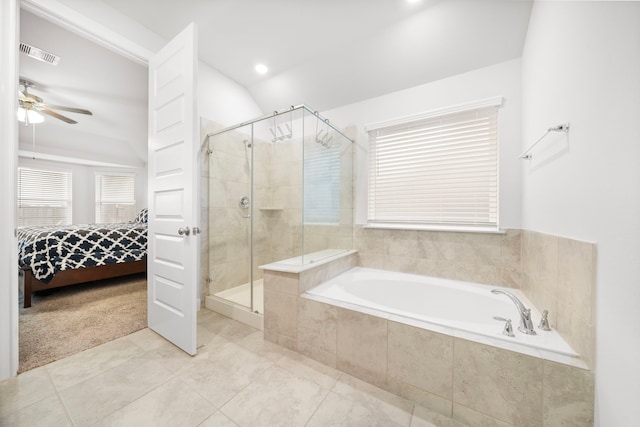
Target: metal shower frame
[[273, 115], [277, 113]]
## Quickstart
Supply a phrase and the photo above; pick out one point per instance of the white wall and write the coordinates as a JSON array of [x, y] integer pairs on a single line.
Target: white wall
[[222, 100], [497, 80], [83, 185], [100, 23], [9, 32], [581, 64]]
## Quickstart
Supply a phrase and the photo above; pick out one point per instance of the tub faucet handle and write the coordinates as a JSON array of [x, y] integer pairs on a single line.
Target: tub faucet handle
[[544, 321], [526, 325], [508, 329]]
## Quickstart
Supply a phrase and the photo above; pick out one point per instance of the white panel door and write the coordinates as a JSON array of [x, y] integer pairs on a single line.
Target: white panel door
[[173, 144]]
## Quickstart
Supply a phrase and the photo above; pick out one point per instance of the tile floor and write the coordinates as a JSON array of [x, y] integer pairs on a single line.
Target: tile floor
[[237, 379]]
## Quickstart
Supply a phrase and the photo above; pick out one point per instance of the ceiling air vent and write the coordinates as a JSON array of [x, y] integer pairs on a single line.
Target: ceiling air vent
[[39, 54]]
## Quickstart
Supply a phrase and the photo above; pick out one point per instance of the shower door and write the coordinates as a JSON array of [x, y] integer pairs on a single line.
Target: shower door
[[230, 216], [280, 191]]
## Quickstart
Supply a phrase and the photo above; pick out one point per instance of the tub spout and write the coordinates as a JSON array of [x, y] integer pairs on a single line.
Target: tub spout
[[526, 325]]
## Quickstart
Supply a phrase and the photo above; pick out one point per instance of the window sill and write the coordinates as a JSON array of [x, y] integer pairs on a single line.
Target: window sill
[[418, 227]]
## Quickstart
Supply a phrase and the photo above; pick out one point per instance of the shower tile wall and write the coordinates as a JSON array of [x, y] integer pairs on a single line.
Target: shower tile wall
[[283, 216], [276, 207], [229, 181]]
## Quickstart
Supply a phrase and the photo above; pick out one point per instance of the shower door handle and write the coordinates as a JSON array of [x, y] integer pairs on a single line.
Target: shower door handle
[[184, 231]]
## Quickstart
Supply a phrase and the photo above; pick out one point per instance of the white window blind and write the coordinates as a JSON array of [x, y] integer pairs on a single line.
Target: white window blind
[[115, 198], [438, 171], [44, 197], [321, 184]]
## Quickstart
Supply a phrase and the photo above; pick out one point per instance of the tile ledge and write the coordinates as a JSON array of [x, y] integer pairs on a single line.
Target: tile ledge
[[288, 267]]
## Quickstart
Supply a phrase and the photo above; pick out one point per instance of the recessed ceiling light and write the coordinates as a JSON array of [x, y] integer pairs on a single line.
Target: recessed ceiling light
[[414, 1], [261, 69]]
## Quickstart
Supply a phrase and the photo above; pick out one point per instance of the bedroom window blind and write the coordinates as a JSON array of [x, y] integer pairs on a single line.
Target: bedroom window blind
[[115, 198], [44, 197], [438, 172], [321, 184]]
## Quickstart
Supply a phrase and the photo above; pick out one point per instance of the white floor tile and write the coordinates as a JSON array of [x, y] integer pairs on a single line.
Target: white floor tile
[[47, 412], [236, 379], [171, 404], [25, 389], [276, 398], [109, 391], [89, 363]]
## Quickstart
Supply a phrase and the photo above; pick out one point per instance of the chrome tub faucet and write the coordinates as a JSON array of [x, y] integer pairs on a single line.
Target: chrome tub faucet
[[526, 325]]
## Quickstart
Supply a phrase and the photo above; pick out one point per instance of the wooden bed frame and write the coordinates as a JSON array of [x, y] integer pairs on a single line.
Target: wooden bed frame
[[81, 275]]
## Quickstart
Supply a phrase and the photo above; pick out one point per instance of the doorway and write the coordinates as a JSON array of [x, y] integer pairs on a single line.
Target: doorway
[[111, 142]]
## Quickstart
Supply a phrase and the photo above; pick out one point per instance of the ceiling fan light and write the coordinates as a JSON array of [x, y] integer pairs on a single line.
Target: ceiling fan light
[[34, 116]]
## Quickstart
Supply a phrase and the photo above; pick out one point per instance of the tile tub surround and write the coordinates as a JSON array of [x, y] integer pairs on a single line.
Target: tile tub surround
[[493, 259], [559, 275], [471, 382], [282, 292], [555, 273]]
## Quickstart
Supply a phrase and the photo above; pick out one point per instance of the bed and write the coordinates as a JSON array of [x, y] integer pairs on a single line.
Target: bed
[[56, 256]]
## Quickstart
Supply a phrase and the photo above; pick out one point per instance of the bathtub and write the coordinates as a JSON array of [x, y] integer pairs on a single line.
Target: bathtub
[[455, 308]]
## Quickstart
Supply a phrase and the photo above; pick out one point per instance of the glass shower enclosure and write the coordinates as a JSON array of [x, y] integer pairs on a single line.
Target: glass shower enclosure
[[279, 189]]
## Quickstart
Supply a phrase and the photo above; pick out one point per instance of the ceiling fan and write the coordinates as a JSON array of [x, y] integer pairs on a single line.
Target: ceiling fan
[[30, 102]]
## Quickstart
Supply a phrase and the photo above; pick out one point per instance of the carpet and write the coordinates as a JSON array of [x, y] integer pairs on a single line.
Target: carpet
[[65, 321]]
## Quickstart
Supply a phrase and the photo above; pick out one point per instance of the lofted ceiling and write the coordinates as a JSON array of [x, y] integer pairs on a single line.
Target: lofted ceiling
[[328, 53], [323, 53]]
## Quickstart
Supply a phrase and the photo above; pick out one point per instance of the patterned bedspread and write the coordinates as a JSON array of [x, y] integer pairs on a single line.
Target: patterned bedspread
[[48, 250]]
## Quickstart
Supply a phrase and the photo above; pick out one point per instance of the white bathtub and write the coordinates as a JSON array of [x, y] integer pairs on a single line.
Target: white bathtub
[[460, 309]]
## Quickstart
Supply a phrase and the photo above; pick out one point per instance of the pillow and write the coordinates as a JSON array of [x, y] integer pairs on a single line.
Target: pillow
[[143, 216]]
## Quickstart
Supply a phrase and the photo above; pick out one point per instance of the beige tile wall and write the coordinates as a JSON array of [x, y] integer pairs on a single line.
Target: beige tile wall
[[229, 179], [556, 273], [559, 276], [471, 382], [282, 305], [277, 207], [476, 257], [285, 188]]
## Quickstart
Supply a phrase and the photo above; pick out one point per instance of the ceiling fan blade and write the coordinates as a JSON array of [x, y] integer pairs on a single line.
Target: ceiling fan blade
[[22, 95], [57, 116], [70, 109]]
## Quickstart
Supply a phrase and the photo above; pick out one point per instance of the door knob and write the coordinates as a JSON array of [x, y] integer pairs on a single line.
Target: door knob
[[184, 231]]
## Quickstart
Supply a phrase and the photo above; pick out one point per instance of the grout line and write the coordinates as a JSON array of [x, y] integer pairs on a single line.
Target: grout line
[[453, 367], [57, 394], [136, 399], [319, 405]]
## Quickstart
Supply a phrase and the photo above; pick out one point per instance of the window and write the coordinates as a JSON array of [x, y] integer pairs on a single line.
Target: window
[[321, 184], [44, 197], [115, 198], [438, 170]]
